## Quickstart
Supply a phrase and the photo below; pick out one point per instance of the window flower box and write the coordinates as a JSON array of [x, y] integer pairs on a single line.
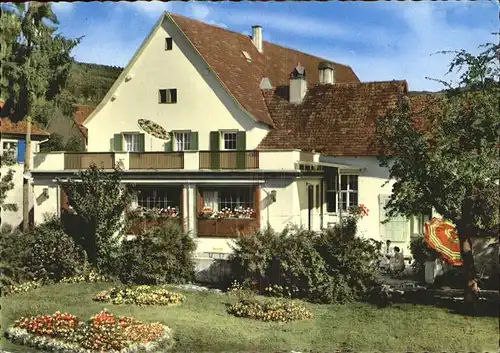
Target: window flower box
[[226, 227], [227, 213], [142, 218]]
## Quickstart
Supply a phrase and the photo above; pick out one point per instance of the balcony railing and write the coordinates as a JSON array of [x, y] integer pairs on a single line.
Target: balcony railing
[[76, 161], [156, 160], [229, 159]]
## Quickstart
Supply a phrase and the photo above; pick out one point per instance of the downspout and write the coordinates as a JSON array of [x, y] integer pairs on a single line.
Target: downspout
[[340, 195]]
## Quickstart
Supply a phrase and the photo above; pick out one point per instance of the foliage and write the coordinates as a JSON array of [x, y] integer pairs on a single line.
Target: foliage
[[36, 60], [163, 254], [270, 310], [15, 248], [54, 143], [421, 252], [98, 200], [89, 83], [63, 332], [7, 181], [89, 276], [75, 144], [328, 266], [53, 254], [452, 163], [141, 295]]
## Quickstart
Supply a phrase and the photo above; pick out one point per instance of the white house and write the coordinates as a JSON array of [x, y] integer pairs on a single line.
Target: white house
[[12, 141], [282, 133]]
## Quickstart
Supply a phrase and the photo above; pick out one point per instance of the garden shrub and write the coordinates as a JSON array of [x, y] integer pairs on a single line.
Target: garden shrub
[[421, 252], [44, 253], [54, 254], [331, 266], [62, 332], [163, 254], [141, 295]]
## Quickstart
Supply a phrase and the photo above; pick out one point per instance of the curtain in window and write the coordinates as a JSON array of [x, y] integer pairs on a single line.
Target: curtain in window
[[132, 142], [210, 199]]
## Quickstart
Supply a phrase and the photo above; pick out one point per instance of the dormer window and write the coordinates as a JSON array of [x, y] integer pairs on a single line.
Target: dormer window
[[168, 43]]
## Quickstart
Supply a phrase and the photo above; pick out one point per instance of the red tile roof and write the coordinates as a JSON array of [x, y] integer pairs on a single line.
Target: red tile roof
[[336, 120], [222, 50], [81, 113], [7, 126]]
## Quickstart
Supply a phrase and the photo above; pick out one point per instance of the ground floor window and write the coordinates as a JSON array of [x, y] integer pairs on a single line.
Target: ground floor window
[[343, 195], [164, 200], [227, 202]]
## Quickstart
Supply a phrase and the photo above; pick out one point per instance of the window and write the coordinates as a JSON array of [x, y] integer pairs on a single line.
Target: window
[[10, 147], [132, 142], [168, 43], [154, 197], [229, 140], [228, 197], [182, 141], [167, 96], [344, 197]]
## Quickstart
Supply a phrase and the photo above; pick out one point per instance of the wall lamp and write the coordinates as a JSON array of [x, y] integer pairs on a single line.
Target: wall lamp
[[273, 195]]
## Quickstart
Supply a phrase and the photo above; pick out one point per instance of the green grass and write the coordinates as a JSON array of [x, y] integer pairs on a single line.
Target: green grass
[[201, 323]]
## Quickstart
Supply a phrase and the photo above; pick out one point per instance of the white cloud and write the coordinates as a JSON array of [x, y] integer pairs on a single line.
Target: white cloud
[[63, 8], [148, 8]]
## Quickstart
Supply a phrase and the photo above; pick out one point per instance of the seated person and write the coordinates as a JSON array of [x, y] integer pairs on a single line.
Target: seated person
[[397, 262]]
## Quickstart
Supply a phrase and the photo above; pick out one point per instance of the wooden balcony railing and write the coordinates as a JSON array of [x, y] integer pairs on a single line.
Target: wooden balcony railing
[[77, 161], [229, 159], [156, 160]]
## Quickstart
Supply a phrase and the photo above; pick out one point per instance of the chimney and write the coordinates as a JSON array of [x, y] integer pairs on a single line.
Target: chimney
[[298, 85], [257, 37], [326, 73]]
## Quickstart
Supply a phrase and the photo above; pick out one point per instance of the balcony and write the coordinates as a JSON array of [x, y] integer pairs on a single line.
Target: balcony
[[229, 159], [230, 228], [77, 161], [156, 160], [275, 160]]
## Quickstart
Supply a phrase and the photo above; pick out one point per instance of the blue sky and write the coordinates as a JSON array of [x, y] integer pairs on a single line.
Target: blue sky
[[380, 41]]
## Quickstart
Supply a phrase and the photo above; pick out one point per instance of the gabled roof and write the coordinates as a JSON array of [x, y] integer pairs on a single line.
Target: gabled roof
[[336, 120], [80, 114], [223, 50]]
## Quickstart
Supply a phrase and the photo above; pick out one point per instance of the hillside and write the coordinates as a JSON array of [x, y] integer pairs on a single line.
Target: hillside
[[89, 83]]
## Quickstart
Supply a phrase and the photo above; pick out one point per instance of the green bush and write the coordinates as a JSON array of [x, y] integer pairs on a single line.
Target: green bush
[[44, 253], [54, 254], [331, 266], [161, 255]]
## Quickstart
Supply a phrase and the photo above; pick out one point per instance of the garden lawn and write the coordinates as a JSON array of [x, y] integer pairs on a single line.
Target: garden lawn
[[201, 323]]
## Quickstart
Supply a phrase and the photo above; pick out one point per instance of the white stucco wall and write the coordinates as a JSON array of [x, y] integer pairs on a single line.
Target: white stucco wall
[[15, 196], [370, 187], [202, 104]]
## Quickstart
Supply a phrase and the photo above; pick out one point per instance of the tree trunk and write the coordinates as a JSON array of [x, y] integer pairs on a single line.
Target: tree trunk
[[471, 290]]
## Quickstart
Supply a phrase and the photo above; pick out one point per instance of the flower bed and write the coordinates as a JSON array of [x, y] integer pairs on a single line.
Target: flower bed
[[238, 212], [103, 332], [270, 310], [142, 295]]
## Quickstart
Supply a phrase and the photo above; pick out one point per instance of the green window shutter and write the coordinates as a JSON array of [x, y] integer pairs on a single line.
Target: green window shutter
[[118, 143], [194, 140], [169, 146], [215, 147], [241, 145], [142, 143]]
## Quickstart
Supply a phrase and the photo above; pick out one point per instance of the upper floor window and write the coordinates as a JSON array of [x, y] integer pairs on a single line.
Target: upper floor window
[[132, 142], [168, 43], [9, 147], [229, 141], [166, 96], [182, 141]]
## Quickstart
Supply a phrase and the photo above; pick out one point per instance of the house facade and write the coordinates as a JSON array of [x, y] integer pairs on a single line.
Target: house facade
[[13, 147], [256, 134]]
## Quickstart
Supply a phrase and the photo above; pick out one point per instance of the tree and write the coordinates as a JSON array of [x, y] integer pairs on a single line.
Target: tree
[[75, 144], [33, 52], [98, 200], [54, 143], [448, 153]]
